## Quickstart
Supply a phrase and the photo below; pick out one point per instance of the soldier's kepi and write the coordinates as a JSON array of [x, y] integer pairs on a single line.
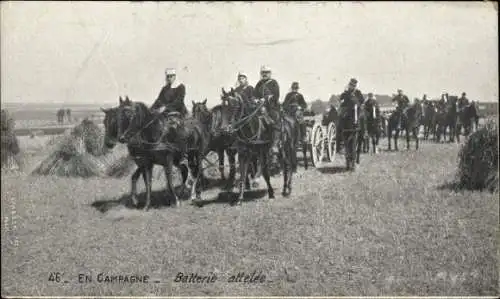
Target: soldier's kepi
[[268, 89], [172, 95]]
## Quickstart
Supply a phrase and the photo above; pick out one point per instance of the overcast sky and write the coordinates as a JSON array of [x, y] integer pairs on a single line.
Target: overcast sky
[[93, 52]]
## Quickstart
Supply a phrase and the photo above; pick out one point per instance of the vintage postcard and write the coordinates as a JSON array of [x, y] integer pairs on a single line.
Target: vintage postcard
[[181, 149]]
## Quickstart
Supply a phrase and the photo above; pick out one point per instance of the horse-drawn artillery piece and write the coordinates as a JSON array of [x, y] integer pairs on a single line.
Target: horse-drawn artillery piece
[[320, 138]]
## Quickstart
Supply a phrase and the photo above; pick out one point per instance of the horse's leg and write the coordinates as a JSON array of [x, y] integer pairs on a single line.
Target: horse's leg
[[304, 153], [168, 176], [251, 174], [265, 172], [194, 165], [374, 142], [133, 192], [286, 169], [408, 133], [243, 159], [396, 136], [148, 181], [359, 139], [220, 154], [415, 135], [231, 155], [389, 137]]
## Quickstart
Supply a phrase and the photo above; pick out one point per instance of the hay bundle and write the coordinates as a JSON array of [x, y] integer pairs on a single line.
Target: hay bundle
[[92, 136], [478, 160], [10, 151], [76, 154]]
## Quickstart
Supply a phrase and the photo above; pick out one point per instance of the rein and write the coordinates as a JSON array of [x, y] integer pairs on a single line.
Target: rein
[[141, 140]]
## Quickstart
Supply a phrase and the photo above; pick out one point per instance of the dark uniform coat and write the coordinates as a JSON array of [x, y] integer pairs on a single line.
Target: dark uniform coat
[[463, 102], [246, 91], [172, 98], [294, 98], [267, 87], [402, 101]]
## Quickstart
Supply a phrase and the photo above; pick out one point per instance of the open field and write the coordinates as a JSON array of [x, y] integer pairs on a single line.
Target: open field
[[391, 228]]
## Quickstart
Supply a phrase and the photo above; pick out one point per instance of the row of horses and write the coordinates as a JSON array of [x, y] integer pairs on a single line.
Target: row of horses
[[434, 118], [235, 127]]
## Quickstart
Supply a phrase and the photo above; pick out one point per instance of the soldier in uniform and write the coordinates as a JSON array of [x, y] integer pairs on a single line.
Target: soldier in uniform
[[425, 100], [402, 102], [171, 96], [243, 88], [463, 102], [370, 103], [293, 100], [267, 88], [351, 96]]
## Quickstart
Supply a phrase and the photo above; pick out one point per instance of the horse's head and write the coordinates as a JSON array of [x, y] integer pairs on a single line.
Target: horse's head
[[129, 118], [110, 126], [200, 111], [233, 100]]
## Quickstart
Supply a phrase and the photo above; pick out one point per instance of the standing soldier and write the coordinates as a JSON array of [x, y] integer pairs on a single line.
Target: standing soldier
[[294, 100], [243, 88], [402, 103], [172, 95]]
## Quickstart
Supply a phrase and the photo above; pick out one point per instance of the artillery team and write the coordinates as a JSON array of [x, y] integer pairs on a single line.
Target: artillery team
[[252, 121]]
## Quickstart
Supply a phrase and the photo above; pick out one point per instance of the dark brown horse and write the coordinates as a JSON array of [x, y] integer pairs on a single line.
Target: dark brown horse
[[156, 139], [467, 117], [254, 140], [429, 119], [217, 121], [372, 126], [295, 112], [349, 129]]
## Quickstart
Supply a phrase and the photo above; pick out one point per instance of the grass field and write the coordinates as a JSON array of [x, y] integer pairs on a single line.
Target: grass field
[[391, 228]]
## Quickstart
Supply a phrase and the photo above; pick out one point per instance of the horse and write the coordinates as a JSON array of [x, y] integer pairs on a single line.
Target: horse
[[371, 127], [393, 127], [467, 117], [440, 122], [428, 119], [296, 112], [214, 120], [254, 140], [350, 122], [154, 139], [452, 118], [411, 123]]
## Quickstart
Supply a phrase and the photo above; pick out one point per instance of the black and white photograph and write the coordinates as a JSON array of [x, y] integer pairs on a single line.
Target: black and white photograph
[[236, 149]]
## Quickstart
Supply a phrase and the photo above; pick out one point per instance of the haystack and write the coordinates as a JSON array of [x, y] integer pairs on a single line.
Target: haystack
[[10, 151], [478, 160], [77, 153]]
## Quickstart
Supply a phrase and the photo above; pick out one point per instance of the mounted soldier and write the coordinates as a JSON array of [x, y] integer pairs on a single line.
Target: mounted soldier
[[425, 100], [171, 96], [402, 103], [463, 101], [350, 97], [371, 103], [268, 88], [243, 88], [443, 101], [293, 101]]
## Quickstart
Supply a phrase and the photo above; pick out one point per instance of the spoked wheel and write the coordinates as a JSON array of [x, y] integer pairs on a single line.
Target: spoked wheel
[[331, 142], [317, 144]]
